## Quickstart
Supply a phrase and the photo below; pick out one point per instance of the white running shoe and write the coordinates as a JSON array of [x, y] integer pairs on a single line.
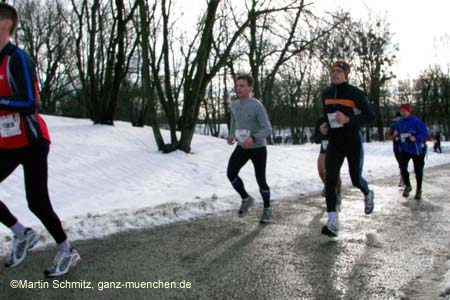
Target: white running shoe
[[330, 229], [20, 248], [62, 263]]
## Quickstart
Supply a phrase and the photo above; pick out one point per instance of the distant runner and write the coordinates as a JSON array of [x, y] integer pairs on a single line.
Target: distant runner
[[437, 143], [413, 136]]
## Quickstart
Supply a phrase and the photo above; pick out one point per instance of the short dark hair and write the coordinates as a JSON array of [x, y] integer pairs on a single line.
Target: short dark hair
[[9, 12], [245, 77]]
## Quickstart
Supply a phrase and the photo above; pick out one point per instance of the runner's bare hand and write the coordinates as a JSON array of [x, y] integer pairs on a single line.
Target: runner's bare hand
[[324, 128], [247, 143], [341, 118]]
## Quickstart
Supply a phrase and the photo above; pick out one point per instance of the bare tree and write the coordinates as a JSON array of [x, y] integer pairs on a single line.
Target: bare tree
[[46, 36], [147, 13], [104, 49], [200, 66], [273, 43], [336, 43], [376, 54], [433, 100]]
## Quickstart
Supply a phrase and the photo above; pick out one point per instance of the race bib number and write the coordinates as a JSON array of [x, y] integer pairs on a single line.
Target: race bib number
[[324, 144], [404, 137], [333, 122], [242, 134], [10, 125]]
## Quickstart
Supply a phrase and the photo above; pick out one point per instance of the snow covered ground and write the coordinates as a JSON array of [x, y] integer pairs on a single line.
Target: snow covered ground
[[105, 179]]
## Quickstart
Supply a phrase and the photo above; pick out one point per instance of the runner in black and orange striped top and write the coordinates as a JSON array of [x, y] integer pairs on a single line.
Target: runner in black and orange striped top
[[345, 108]]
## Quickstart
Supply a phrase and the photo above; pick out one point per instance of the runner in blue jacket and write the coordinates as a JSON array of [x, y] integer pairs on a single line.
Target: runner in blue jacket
[[412, 133]]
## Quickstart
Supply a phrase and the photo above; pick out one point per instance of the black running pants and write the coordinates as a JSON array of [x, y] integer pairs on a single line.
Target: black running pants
[[419, 163], [33, 158], [239, 158], [336, 154]]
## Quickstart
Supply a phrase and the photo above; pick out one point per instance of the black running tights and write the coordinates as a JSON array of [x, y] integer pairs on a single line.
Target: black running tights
[[33, 158]]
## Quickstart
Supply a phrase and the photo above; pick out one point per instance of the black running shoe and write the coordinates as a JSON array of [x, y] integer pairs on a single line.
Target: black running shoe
[[407, 190], [418, 195]]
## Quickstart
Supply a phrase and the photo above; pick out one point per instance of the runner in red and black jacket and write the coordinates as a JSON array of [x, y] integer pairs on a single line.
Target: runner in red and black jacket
[[24, 140], [21, 124]]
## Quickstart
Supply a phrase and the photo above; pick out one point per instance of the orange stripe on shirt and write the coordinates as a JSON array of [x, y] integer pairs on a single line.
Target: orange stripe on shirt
[[344, 102]]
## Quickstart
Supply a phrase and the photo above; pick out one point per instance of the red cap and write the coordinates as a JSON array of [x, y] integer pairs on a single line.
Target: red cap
[[406, 107]]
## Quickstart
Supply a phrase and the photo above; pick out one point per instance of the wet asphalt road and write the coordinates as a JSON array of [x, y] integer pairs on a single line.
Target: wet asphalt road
[[396, 253]]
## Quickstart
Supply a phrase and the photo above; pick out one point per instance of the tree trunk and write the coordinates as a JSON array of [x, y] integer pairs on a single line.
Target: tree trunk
[[145, 70], [195, 88]]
